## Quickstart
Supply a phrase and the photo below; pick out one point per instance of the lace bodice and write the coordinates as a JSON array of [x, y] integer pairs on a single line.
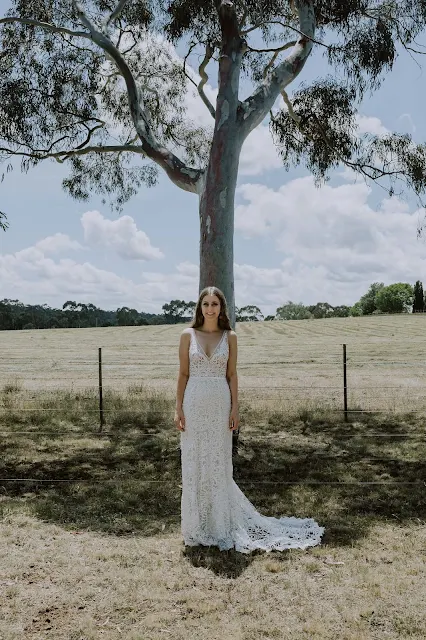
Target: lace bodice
[[200, 365]]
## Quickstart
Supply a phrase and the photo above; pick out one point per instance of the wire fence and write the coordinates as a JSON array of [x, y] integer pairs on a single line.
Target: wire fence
[[349, 384], [311, 379]]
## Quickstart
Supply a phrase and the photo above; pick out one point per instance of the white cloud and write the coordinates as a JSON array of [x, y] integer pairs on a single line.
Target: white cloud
[[259, 153], [333, 242], [121, 235], [371, 124], [32, 277], [58, 243], [182, 284]]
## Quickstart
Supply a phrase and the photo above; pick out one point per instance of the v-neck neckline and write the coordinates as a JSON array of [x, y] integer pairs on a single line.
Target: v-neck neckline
[[201, 348]]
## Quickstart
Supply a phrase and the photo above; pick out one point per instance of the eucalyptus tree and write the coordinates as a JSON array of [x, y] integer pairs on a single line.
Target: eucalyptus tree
[[99, 85]]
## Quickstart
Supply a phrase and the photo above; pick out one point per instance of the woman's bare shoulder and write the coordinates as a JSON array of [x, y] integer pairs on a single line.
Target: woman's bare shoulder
[[186, 332], [232, 335]]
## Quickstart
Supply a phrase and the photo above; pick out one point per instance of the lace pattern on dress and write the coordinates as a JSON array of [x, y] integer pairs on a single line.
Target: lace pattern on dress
[[214, 509]]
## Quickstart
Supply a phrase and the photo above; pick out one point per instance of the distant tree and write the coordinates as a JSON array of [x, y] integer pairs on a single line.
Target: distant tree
[[321, 310], [80, 314], [269, 318], [127, 317], [92, 314], [6, 320], [356, 310], [16, 315], [70, 309], [395, 298], [62, 321], [190, 306], [293, 311], [178, 311], [69, 305], [249, 313], [83, 314], [341, 311], [368, 300], [419, 300]]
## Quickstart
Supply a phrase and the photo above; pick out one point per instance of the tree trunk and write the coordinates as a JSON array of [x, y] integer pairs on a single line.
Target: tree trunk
[[218, 190], [217, 223]]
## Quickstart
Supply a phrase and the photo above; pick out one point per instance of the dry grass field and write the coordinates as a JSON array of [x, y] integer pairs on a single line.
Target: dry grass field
[[386, 360], [90, 545]]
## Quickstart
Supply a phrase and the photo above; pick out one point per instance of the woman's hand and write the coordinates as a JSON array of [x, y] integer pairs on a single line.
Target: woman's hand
[[234, 419], [179, 419]]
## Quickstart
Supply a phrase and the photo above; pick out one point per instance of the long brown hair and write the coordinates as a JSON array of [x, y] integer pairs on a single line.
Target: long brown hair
[[223, 320]]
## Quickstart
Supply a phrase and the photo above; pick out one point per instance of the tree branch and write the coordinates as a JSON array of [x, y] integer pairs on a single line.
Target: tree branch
[[289, 106], [253, 110], [187, 178], [61, 156], [230, 57], [298, 31], [270, 64], [46, 26], [252, 28], [191, 48], [367, 170], [369, 13], [204, 79], [288, 45], [245, 13], [114, 15], [90, 132]]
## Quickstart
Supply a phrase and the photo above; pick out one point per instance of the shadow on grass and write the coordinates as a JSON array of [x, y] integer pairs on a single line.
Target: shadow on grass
[[347, 476], [228, 564]]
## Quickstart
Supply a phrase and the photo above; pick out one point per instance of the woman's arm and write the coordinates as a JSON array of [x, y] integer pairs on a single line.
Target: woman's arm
[[182, 378], [231, 376]]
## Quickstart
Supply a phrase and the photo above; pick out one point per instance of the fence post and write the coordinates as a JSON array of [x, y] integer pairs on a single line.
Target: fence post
[[345, 384], [101, 403]]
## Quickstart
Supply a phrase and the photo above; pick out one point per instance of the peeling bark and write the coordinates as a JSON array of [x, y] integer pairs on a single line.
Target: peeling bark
[[218, 192]]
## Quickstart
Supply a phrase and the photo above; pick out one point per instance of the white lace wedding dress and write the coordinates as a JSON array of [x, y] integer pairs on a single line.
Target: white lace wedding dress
[[214, 509]]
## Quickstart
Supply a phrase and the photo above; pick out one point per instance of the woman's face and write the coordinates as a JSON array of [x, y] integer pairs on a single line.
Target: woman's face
[[210, 307]]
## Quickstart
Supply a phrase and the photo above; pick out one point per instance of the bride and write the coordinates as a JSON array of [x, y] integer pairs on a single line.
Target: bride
[[214, 511]]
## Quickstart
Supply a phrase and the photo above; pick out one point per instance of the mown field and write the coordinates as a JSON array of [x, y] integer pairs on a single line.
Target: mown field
[[90, 542], [299, 362]]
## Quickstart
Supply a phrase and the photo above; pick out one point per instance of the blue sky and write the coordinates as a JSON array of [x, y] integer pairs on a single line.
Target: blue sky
[[292, 240]]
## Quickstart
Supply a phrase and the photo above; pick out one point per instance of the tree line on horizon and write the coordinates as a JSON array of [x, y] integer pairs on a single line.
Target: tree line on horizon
[[399, 297]]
